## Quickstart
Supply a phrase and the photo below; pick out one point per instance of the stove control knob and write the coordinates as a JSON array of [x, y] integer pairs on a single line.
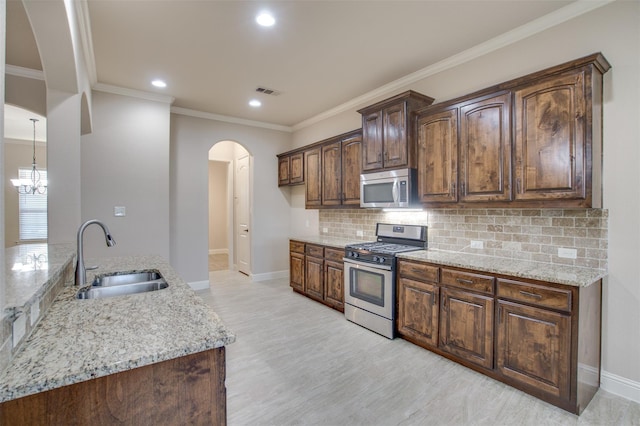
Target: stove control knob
[[354, 254], [381, 259], [375, 258]]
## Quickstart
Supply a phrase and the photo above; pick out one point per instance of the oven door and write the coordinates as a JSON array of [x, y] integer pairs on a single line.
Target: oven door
[[369, 287]]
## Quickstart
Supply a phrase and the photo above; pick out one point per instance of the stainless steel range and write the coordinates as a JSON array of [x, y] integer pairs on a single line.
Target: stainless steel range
[[369, 275]]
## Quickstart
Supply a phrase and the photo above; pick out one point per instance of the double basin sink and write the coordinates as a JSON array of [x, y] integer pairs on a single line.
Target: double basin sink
[[120, 284]]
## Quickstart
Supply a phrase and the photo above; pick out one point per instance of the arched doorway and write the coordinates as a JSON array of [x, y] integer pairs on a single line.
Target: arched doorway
[[230, 207]]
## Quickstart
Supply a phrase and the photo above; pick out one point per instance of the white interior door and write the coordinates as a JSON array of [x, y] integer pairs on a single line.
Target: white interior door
[[243, 215]]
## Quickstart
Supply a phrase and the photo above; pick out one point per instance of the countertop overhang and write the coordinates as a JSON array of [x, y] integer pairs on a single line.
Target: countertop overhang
[[84, 339]]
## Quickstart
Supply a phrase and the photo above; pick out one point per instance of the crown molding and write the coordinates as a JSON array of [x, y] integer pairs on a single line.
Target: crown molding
[[116, 90], [229, 119], [24, 72], [84, 27], [536, 26]]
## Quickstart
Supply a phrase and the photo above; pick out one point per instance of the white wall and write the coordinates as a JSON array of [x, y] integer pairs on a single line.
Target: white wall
[[125, 162], [614, 31], [191, 139]]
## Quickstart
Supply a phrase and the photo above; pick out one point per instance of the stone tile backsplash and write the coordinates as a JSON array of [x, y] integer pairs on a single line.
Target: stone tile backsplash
[[528, 234]]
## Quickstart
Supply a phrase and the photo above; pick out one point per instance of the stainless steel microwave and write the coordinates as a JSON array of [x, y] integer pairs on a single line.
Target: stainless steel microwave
[[389, 189]]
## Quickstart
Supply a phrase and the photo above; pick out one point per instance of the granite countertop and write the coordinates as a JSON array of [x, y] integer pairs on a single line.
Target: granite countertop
[[83, 339], [29, 267], [549, 272], [326, 241]]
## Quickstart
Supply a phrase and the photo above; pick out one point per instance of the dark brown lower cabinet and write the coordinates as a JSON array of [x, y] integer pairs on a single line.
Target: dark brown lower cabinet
[[418, 306], [334, 284], [466, 326], [186, 390], [534, 347], [317, 272], [542, 338]]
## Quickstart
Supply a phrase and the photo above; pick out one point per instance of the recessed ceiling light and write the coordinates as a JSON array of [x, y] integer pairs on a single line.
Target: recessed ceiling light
[[255, 103], [265, 19], [159, 83]]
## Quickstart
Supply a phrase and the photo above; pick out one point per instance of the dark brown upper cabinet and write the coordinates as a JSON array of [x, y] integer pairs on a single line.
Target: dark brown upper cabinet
[[534, 141], [291, 169], [333, 169], [388, 139]]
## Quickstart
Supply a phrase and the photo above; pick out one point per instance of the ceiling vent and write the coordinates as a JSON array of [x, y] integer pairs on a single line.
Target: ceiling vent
[[268, 91]]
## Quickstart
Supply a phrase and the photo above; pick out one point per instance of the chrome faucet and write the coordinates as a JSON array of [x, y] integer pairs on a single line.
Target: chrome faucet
[[81, 271]]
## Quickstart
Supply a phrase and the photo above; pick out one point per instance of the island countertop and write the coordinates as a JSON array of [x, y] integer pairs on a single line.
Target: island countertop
[[84, 339]]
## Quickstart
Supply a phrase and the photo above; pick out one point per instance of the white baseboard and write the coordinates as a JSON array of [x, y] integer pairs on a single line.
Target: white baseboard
[[270, 275], [199, 285], [219, 251], [620, 386]]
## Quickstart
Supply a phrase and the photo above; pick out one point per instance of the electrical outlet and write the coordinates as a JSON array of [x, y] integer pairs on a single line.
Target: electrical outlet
[[119, 211], [306, 223], [325, 230], [477, 244], [359, 233], [567, 253]]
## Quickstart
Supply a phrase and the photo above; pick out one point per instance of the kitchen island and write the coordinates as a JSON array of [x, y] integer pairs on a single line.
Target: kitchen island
[[151, 358]]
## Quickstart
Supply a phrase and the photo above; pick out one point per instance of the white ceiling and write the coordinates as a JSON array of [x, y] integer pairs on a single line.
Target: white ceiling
[[319, 55]]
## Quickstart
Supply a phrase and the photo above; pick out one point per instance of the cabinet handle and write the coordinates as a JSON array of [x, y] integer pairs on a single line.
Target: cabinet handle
[[379, 157], [518, 185], [462, 188], [526, 293], [499, 315], [463, 281]]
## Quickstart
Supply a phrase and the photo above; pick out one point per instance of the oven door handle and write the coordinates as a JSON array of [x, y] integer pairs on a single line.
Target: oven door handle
[[371, 266]]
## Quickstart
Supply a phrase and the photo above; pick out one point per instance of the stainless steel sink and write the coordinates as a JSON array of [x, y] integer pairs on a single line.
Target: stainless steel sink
[[126, 278], [120, 284], [95, 292]]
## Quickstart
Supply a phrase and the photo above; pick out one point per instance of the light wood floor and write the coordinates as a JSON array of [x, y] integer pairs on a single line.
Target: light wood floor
[[296, 362]]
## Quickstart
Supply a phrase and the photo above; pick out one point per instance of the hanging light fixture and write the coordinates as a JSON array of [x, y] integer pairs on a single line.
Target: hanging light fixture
[[33, 185]]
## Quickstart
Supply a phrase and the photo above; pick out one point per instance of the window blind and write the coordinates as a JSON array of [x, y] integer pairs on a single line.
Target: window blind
[[32, 210]]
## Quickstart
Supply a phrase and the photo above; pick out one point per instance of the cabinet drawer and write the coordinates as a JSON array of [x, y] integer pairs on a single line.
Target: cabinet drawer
[[333, 254], [534, 294], [314, 251], [468, 280], [418, 271], [296, 246]]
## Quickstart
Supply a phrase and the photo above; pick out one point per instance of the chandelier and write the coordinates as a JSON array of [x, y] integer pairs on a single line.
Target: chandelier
[[33, 185]]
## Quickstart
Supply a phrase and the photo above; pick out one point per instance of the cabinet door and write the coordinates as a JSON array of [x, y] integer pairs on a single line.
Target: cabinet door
[[372, 141], [314, 277], [485, 150], [438, 156], [550, 139], [334, 284], [466, 326], [283, 170], [296, 169], [296, 271], [332, 174], [313, 176], [394, 139], [418, 305], [351, 169], [534, 347]]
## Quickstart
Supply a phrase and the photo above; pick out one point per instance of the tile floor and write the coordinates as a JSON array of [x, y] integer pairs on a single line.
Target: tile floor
[[296, 362]]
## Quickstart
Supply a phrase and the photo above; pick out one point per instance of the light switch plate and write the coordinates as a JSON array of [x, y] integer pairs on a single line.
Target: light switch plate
[[119, 211], [325, 230], [359, 233]]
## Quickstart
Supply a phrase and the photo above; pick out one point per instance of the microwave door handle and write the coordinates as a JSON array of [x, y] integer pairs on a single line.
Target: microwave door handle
[[395, 191]]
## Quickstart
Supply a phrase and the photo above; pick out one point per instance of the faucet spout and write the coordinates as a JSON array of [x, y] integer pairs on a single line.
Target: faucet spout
[[81, 271]]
